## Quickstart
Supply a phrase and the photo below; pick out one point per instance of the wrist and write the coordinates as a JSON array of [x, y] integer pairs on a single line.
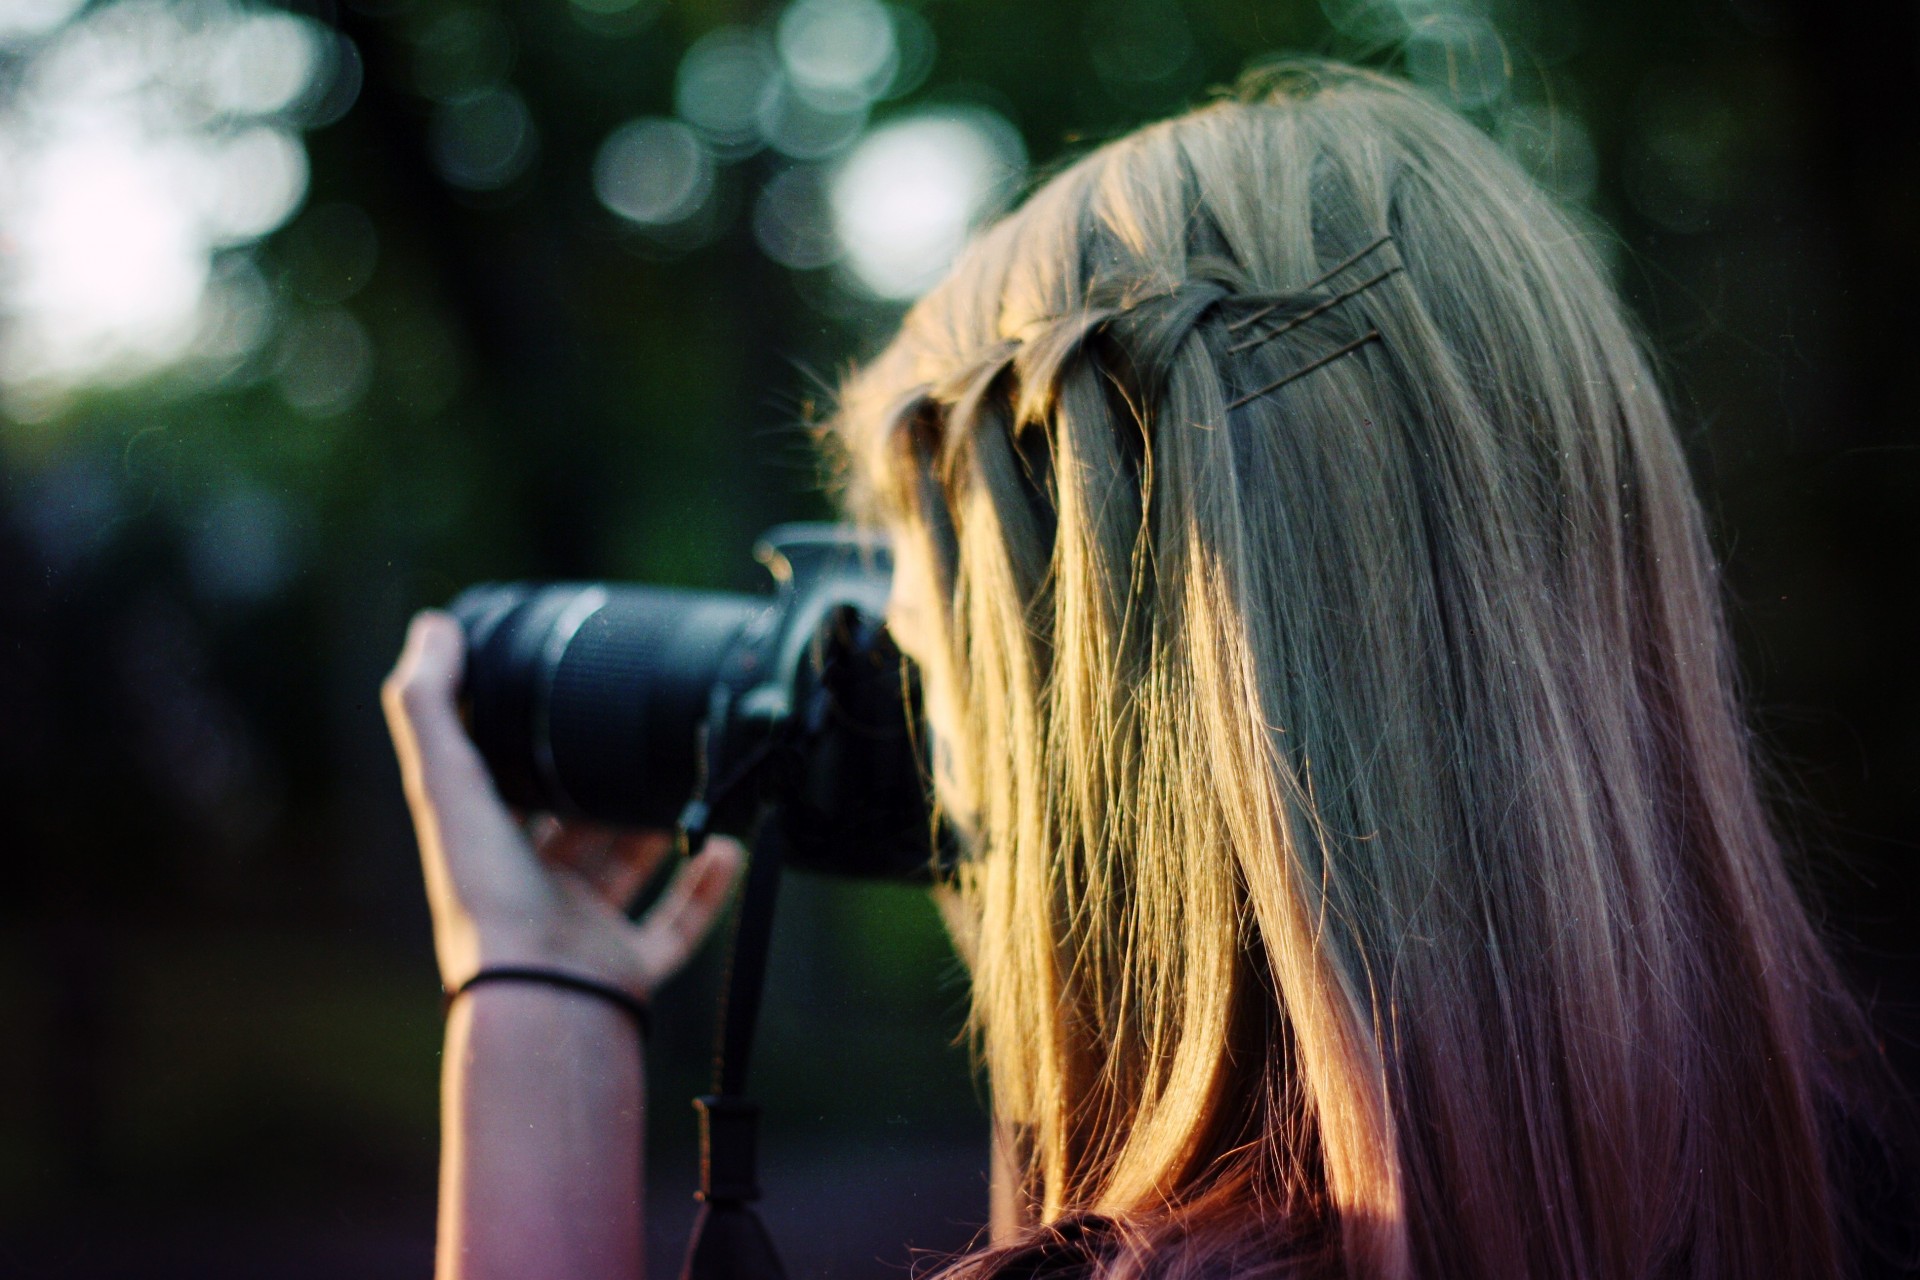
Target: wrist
[[567, 985], [581, 951]]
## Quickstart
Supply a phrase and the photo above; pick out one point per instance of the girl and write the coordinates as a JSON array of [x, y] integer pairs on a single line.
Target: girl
[[1367, 875]]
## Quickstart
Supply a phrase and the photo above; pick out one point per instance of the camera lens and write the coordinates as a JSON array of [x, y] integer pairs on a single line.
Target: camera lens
[[586, 699]]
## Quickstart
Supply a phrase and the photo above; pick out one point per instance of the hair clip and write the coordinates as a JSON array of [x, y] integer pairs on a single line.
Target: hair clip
[[1247, 344], [1371, 335], [1315, 283]]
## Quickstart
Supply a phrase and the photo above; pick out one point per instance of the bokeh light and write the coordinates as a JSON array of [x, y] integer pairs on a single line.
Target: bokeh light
[[906, 198], [240, 548], [1366, 23], [138, 142], [797, 125], [723, 81], [325, 362], [1690, 138], [839, 54], [1138, 42], [110, 259], [616, 18], [802, 85], [330, 252], [915, 49], [1460, 57], [23, 20], [253, 180], [262, 62], [236, 316], [1554, 147], [792, 222], [484, 140], [463, 52], [653, 171], [1550, 31], [68, 510]]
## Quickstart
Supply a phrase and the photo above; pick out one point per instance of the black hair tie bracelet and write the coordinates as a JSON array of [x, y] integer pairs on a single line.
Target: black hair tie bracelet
[[631, 1005]]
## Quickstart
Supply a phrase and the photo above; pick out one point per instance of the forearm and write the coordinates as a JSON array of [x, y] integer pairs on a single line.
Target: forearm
[[542, 1118]]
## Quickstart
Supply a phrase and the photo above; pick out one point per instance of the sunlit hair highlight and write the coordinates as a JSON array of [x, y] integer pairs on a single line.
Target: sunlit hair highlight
[[1367, 874]]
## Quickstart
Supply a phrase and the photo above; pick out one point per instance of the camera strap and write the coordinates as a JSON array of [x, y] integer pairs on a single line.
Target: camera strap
[[729, 1241]]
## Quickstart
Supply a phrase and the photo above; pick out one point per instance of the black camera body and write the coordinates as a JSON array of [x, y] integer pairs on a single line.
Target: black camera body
[[646, 706]]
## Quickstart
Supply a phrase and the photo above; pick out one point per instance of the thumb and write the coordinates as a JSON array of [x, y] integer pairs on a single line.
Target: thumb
[[419, 695], [446, 781]]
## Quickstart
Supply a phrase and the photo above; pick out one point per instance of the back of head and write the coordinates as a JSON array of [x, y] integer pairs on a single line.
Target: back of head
[[1368, 872]]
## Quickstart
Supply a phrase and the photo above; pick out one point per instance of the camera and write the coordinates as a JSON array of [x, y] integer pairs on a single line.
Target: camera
[[647, 706]]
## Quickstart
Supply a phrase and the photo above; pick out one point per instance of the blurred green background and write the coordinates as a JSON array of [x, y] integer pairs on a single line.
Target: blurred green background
[[309, 316]]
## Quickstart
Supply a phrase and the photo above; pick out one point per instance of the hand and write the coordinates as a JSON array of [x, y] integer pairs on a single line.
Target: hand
[[501, 896]]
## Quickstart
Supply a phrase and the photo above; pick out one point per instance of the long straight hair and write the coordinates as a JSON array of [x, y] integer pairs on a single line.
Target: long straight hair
[[1368, 874]]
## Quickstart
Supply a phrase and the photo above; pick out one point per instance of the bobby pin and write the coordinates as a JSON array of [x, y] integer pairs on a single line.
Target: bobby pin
[[1248, 343], [1370, 335], [1315, 283]]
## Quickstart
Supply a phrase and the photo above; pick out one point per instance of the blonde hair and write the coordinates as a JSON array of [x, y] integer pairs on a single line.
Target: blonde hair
[[1368, 871]]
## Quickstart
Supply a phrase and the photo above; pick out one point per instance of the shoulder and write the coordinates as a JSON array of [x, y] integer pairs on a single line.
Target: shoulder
[[1064, 1250], [1093, 1247]]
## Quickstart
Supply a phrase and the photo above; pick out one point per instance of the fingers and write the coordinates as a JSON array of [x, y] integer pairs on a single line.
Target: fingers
[[576, 845], [447, 785], [614, 863], [669, 934], [632, 860], [542, 830]]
